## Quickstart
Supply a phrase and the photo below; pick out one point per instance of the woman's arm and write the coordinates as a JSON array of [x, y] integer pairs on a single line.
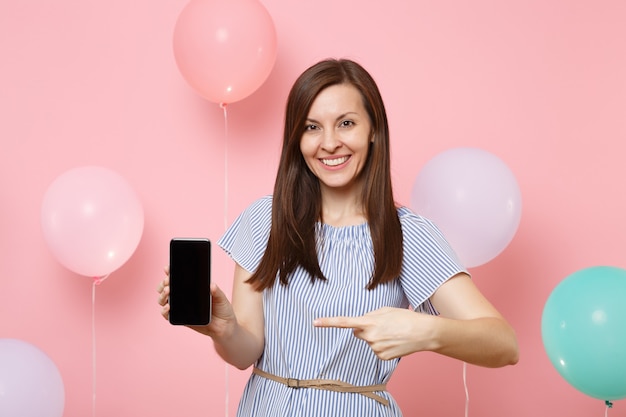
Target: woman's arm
[[469, 328], [242, 340], [237, 328]]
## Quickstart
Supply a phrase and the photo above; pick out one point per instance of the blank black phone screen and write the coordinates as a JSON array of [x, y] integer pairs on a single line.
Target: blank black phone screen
[[190, 279]]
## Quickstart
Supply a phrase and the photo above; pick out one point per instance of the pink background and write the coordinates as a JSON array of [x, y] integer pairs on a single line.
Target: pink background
[[541, 84]]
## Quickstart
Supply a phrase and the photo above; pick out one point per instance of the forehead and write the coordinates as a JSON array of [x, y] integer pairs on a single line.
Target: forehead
[[338, 99]]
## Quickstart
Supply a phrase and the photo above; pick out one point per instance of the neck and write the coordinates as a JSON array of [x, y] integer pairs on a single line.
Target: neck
[[340, 209]]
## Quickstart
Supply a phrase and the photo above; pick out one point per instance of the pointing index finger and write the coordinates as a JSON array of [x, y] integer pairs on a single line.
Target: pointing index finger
[[339, 322]]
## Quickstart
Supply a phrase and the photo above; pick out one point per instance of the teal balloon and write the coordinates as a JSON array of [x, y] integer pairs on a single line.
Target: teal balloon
[[583, 328]]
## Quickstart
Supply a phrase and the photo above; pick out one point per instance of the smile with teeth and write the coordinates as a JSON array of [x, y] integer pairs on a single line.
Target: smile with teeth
[[335, 161]]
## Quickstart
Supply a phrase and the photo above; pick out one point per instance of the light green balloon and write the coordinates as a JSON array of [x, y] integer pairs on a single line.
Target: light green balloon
[[583, 328]]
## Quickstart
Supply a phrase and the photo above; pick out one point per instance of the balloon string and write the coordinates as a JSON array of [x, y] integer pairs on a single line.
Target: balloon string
[[223, 106], [226, 372], [609, 404], [96, 281], [466, 390]]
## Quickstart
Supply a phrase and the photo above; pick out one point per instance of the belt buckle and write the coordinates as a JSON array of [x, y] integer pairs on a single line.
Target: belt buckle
[[293, 383]]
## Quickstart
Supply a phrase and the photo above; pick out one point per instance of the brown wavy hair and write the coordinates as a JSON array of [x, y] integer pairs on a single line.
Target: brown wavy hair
[[296, 206]]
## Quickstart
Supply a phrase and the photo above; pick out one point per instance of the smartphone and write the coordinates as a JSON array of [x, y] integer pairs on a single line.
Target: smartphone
[[190, 278]]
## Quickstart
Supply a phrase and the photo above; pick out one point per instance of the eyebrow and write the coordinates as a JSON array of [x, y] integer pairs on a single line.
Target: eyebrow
[[341, 116]]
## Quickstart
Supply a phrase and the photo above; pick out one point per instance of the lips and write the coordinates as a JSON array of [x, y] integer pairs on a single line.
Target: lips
[[335, 161]]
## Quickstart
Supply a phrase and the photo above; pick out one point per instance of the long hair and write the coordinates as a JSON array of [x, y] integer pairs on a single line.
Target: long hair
[[296, 206]]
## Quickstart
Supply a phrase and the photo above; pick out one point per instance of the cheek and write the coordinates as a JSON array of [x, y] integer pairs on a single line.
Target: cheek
[[307, 153], [365, 149], [307, 148], [366, 155]]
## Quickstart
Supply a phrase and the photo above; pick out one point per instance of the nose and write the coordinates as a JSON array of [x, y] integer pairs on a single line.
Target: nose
[[330, 141]]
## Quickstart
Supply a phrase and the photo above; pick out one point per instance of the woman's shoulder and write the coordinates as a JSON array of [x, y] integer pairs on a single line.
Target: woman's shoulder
[[264, 200], [260, 205], [246, 239], [414, 224], [408, 217], [421, 231]]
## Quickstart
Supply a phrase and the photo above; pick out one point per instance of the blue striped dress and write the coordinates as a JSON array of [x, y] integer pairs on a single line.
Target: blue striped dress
[[296, 349]]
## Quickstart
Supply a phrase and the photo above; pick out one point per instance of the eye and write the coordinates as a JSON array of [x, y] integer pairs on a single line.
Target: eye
[[346, 123], [310, 127]]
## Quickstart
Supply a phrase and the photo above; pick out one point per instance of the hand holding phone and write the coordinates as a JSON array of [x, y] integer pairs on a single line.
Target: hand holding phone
[[190, 280]]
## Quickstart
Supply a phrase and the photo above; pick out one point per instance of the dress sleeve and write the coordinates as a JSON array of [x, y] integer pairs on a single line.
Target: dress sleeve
[[246, 239], [428, 260]]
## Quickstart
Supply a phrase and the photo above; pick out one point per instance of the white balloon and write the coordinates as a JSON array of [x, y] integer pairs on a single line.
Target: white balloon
[[30, 383], [474, 198]]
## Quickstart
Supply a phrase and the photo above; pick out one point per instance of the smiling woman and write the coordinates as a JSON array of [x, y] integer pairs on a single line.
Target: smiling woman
[[327, 267], [335, 144]]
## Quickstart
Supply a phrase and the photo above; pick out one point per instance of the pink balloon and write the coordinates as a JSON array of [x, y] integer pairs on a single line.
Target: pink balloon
[[30, 383], [225, 49], [92, 220], [474, 198]]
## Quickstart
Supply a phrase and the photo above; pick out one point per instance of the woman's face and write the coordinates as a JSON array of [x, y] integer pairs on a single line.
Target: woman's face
[[335, 144]]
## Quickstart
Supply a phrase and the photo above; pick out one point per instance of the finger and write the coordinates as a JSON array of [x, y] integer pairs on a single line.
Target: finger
[[164, 296], [166, 281], [217, 294], [215, 290], [339, 322], [165, 311], [162, 285]]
